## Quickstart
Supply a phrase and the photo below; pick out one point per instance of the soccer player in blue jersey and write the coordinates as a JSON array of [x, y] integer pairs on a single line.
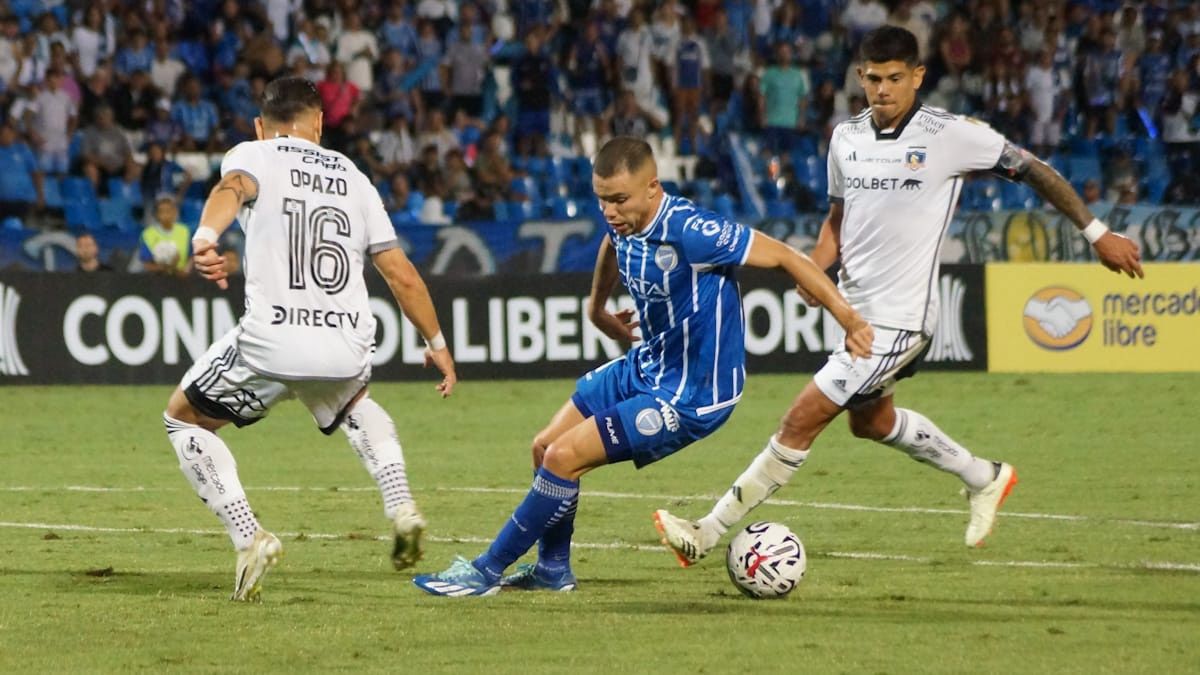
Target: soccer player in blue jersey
[[676, 387]]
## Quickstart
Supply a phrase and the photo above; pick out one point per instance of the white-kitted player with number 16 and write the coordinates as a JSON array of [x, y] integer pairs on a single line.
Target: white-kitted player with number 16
[[311, 219]]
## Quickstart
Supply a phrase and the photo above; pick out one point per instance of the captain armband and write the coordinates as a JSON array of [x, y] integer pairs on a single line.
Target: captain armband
[[1014, 162]]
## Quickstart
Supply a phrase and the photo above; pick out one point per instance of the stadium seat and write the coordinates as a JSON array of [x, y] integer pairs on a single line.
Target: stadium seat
[[671, 187], [12, 223], [1084, 168], [723, 204], [82, 214], [189, 212], [563, 208], [525, 186], [77, 189], [1018, 196], [781, 208], [115, 213]]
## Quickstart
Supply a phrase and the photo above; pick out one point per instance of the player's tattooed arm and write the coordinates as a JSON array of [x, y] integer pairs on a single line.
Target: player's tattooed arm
[[1052, 187], [235, 189], [617, 326]]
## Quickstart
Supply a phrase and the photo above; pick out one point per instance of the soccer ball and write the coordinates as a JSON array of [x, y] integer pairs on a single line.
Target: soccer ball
[[165, 253], [766, 560]]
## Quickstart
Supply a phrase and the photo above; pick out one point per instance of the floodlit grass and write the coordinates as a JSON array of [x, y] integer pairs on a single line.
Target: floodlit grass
[[1094, 567]]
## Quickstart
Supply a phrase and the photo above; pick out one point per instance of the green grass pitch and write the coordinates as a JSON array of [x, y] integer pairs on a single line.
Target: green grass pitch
[[109, 563]]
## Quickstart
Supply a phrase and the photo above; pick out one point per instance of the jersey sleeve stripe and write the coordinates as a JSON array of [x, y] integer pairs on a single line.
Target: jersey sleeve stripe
[[383, 246], [749, 244]]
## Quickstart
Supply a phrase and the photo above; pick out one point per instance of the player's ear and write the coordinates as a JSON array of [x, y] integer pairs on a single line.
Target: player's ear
[[918, 76], [652, 187], [318, 125], [258, 129]]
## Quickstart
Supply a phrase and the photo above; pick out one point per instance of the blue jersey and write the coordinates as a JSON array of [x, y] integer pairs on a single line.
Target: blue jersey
[[680, 272]]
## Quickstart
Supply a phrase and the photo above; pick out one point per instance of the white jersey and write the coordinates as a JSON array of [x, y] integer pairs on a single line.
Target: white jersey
[[899, 188], [315, 220]]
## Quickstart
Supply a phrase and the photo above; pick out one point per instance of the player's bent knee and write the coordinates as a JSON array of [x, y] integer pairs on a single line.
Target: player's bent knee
[[868, 428], [563, 460]]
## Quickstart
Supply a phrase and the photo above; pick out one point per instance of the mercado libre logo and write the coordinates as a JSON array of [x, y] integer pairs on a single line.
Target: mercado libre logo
[[1057, 318]]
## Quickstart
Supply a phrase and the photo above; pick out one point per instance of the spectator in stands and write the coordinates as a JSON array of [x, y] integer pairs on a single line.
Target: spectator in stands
[[166, 243], [785, 93], [404, 205], [137, 54], [31, 65], [357, 50], [955, 46], [433, 209], [1131, 34], [428, 168], [722, 50], [133, 102], [97, 90], [364, 156], [308, 56], [466, 64], [493, 172], [10, 49], [340, 98], [436, 134], [397, 148], [588, 66], [664, 32], [162, 129], [480, 207], [459, 187], [532, 79], [165, 70], [105, 152], [398, 33], [753, 114], [162, 176], [197, 119], [1046, 103], [862, 16], [691, 79], [54, 122], [393, 89], [92, 39], [904, 16], [1103, 75], [634, 67], [1179, 130], [87, 253], [429, 63], [627, 119], [48, 33], [1091, 191], [1153, 70], [21, 192]]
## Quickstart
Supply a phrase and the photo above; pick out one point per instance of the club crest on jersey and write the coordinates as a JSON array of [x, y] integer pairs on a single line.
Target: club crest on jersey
[[649, 422], [666, 258], [914, 159]]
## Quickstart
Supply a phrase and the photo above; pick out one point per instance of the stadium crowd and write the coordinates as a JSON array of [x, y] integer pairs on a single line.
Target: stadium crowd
[[479, 110]]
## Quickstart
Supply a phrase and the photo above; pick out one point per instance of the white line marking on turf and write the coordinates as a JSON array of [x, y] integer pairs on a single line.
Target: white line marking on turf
[[657, 549], [833, 506]]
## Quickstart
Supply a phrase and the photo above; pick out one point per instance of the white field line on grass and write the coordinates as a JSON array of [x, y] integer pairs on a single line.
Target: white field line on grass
[[834, 506], [851, 555]]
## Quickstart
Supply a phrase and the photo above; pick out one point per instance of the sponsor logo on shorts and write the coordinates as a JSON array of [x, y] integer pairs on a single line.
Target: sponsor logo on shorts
[[666, 258], [1057, 318], [610, 427], [649, 422]]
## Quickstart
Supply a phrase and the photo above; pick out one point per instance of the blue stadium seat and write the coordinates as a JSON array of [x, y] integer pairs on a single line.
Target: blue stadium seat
[[12, 223], [1084, 168], [525, 185], [115, 213], [77, 189], [671, 187], [1018, 196], [82, 214], [189, 212], [563, 208], [723, 204]]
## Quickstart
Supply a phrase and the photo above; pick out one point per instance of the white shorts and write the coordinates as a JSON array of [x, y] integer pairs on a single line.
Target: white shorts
[[894, 356], [220, 385]]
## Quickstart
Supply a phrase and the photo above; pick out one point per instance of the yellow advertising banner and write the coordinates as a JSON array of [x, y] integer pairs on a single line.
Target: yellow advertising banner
[[1071, 318]]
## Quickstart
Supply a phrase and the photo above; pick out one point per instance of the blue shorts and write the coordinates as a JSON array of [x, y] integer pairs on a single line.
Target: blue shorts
[[636, 422], [589, 101]]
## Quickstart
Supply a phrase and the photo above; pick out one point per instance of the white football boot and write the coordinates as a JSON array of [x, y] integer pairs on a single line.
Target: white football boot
[[253, 563], [408, 527], [686, 538], [986, 502]]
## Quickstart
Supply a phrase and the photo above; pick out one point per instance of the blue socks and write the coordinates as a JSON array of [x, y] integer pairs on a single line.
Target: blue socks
[[554, 548], [550, 504]]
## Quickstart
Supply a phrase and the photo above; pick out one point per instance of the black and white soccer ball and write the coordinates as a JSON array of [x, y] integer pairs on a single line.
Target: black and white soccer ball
[[766, 560]]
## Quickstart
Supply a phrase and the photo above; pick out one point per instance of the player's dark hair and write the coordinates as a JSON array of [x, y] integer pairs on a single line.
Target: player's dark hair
[[622, 153], [890, 43], [287, 97]]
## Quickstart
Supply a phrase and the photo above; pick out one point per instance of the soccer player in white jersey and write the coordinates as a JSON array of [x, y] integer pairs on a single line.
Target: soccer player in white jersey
[[895, 172], [311, 220], [678, 386]]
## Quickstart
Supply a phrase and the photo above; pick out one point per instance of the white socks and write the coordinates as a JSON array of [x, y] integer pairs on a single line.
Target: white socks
[[915, 435], [209, 467], [372, 434], [772, 469]]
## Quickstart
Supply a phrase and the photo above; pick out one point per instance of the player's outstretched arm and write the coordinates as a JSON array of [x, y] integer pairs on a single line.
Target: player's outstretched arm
[[617, 326], [828, 247], [221, 208], [768, 252], [413, 297], [1115, 251]]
